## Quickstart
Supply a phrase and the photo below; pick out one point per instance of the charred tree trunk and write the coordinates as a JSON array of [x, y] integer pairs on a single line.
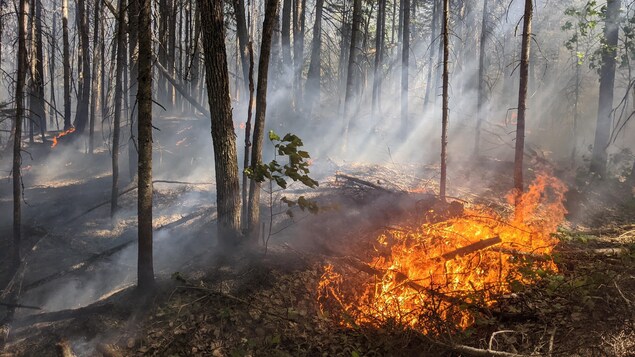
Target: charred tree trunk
[[94, 102], [446, 94], [607, 81], [81, 116], [253, 210], [121, 53], [314, 77], [481, 80], [145, 269], [405, 59], [67, 67], [17, 138], [522, 102], [52, 50], [223, 135]]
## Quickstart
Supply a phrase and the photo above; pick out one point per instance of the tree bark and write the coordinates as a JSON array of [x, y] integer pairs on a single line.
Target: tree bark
[[223, 135], [446, 94], [287, 62], [433, 37], [522, 102], [145, 269], [298, 49], [253, 210], [607, 81], [67, 67]]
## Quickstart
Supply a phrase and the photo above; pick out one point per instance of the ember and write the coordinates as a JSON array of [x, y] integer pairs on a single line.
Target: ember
[[449, 271], [64, 133]]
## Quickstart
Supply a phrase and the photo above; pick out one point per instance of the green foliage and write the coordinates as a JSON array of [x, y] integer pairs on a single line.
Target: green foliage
[[296, 169]]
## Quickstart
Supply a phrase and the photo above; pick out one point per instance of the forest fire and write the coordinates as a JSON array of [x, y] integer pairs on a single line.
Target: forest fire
[[64, 133], [440, 275]]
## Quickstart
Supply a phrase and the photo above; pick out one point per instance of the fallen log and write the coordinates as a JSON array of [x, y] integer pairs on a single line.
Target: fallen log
[[470, 248], [19, 306], [79, 266], [87, 311]]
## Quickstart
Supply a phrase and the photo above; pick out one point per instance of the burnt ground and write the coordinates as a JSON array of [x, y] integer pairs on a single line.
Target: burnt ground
[[81, 268]]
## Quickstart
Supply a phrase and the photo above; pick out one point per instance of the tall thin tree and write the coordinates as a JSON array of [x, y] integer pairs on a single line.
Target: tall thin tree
[[522, 102], [67, 66], [116, 124], [405, 62], [145, 267], [446, 93], [17, 135], [607, 82], [253, 210]]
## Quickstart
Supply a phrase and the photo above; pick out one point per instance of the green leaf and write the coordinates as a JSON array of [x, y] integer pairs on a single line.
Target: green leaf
[[273, 136]]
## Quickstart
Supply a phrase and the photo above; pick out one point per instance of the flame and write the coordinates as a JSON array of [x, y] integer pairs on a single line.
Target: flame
[[444, 273], [65, 132]]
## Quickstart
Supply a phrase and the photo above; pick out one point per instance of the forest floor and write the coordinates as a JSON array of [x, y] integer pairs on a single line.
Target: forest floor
[[80, 269]]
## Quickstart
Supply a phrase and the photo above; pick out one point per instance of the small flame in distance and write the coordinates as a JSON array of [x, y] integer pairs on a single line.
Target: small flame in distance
[[65, 132]]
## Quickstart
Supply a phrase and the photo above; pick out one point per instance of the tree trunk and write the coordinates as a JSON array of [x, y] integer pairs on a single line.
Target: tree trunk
[[481, 80], [446, 94], [52, 50], [352, 63], [379, 48], [67, 67], [81, 116], [405, 57], [253, 210], [287, 62], [607, 81], [312, 90], [298, 49], [94, 102], [38, 114], [243, 39], [145, 269], [17, 138], [433, 37], [223, 135], [522, 102], [243, 212], [121, 53], [133, 49]]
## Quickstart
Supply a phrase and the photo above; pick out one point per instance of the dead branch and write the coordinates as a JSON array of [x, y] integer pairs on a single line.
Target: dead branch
[[362, 182], [76, 267], [477, 352], [185, 219], [179, 87], [19, 306], [470, 248], [87, 311], [100, 204]]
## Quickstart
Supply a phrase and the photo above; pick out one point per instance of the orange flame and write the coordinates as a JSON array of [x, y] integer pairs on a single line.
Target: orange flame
[[445, 271], [65, 132]]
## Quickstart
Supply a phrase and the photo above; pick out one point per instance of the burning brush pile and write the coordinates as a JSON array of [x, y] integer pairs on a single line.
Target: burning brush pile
[[443, 275]]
